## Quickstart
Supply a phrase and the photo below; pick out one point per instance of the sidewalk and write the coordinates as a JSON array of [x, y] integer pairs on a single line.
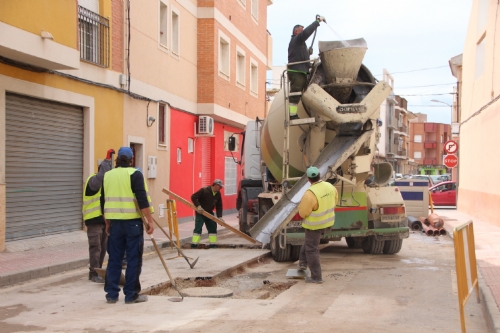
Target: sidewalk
[[487, 241], [44, 256]]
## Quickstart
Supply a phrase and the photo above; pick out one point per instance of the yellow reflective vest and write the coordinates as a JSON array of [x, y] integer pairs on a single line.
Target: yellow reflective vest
[[324, 216], [119, 201], [91, 207]]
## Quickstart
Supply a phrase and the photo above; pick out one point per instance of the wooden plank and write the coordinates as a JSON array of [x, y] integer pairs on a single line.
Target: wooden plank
[[210, 216]]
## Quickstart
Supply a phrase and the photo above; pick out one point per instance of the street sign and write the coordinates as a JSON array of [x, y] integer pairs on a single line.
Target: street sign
[[450, 161], [450, 147]]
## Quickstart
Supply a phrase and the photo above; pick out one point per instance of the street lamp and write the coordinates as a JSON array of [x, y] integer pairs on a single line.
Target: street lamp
[[451, 107]]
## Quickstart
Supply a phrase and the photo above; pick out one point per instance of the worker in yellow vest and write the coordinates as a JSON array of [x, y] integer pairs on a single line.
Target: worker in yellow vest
[[124, 226], [93, 218], [317, 208]]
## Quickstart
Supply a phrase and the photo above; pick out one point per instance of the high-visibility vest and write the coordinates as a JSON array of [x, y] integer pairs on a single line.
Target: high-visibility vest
[[119, 202], [91, 204], [324, 216]]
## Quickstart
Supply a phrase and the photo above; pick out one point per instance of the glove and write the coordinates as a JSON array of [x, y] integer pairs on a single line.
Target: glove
[[320, 18], [108, 154], [199, 209]]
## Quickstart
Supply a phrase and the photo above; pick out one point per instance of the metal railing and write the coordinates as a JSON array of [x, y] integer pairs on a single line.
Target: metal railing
[[94, 37]]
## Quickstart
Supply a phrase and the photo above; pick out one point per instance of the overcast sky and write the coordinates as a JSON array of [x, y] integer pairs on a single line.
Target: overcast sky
[[402, 36]]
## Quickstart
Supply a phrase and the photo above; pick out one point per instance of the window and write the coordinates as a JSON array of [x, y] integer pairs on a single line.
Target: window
[[243, 3], [240, 66], [161, 125], [417, 155], [417, 138], [94, 37], [230, 176], [254, 76], [163, 25], [255, 9], [175, 32], [480, 57], [190, 145], [224, 55]]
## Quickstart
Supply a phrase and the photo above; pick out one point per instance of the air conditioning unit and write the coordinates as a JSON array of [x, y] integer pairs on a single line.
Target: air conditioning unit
[[205, 125]]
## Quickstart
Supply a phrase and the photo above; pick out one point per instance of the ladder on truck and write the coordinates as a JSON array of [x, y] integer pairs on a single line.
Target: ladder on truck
[[285, 176]]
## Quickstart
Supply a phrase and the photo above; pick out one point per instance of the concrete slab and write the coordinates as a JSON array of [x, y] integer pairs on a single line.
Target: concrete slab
[[215, 292]]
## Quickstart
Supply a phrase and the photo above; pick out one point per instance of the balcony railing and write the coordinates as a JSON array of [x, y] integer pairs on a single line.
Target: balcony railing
[[403, 128], [432, 127], [94, 37], [430, 145]]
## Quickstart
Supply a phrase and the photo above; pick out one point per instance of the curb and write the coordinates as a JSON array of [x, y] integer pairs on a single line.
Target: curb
[[30, 274]]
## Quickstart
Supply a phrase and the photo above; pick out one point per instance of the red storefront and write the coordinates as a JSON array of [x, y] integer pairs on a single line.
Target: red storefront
[[197, 159]]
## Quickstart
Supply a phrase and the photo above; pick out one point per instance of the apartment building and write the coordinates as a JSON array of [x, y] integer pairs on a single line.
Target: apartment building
[[426, 146], [478, 112], [171, 79]]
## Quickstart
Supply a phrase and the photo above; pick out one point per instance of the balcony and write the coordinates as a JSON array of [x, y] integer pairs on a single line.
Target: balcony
[[403, 128], [401, 152], [430, 127], [430, 161], [94, 37], [430, 145]]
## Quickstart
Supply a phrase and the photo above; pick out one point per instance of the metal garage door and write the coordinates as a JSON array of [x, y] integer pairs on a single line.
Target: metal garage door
[[206, 162], [44, 167]]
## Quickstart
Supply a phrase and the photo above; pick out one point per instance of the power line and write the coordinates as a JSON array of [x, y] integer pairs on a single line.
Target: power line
[[414, 70], [430, 85]]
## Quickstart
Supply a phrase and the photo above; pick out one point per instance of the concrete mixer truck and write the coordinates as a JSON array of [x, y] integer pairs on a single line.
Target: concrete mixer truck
[[337, 131]]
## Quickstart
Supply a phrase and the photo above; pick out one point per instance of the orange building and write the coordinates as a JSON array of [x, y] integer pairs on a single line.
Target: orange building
[[426, 146]]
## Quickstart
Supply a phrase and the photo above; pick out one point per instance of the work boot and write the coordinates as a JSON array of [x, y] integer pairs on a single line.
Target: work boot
[[97, 279], [139, 299], [212, 246], [194, 246], [111, 300], [302, 267], [294, 117], [310, 280]]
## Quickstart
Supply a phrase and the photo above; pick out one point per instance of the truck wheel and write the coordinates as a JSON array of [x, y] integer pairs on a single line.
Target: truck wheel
[[279, 254], [294, 252], [354, 242], [324, 241], [371, 245], [392, 246]]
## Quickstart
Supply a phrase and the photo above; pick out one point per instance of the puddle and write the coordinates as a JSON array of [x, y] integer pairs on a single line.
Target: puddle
[[256, 279]]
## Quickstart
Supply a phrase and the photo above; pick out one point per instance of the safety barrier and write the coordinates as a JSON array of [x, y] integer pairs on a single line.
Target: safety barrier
[[173, 224], [465, 262]]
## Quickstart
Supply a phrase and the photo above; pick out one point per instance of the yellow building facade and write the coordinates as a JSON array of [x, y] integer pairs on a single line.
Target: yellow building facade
[[479, 108]]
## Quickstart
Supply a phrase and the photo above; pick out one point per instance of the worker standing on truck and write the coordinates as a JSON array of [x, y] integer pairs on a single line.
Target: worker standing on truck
[[317, 208], [297, 51], [94, 220], [124, 226], [206, 199]]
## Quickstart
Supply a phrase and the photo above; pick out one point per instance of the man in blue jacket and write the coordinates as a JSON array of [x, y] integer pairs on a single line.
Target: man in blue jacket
[[297, 51]]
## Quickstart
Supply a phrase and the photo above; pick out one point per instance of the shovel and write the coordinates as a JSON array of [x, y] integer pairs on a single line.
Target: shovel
[[172, 281], [177, 246]]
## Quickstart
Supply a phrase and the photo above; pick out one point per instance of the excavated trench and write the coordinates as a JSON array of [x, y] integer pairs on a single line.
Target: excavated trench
[[260, 278]]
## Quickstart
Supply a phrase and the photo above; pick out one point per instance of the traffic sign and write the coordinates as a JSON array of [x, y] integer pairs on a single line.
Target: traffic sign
[[450, 147], [450, 161]]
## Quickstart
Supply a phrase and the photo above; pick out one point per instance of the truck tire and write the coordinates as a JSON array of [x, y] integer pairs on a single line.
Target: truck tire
[[354, 242], [372, 246], [279, 254], [294, 252], [324, 241], [392, 246]]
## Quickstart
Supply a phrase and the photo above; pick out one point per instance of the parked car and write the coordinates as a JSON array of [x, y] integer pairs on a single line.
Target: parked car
[[444, 194], [426, 177], [439, 178]]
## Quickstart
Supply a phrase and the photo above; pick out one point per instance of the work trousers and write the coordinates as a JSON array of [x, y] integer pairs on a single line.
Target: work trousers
[[298, 82], [97, 236], [211, 226], [309, 252], [125, 236]]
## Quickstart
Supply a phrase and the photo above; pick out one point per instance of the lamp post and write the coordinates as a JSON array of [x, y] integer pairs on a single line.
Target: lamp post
[[451, 107]]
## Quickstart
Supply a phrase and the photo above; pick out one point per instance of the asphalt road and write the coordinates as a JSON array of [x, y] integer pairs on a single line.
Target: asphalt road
[[413, 291]]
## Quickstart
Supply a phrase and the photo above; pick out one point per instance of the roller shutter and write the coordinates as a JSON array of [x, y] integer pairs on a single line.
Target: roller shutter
[[44, 167], [206, 162]]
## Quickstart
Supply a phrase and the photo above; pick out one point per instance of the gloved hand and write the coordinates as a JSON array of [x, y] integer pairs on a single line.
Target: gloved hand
[[320, 18], [199, 209], [108, 154]]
